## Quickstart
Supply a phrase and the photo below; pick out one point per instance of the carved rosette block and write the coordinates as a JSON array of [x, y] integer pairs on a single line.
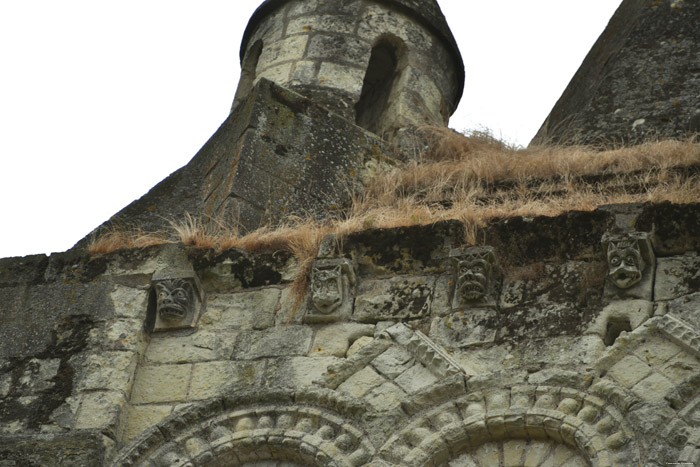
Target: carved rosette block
[[178, 301], [475, 277], [331, 291], [631, 265]]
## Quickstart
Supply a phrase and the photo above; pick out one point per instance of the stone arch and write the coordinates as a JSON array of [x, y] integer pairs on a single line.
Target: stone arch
[[248, 73], [385, 64], [303, 429], [585, 424]]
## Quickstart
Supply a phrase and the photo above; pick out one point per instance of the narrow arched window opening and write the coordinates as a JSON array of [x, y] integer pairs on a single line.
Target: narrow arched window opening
[[247, 79], [378, 83]]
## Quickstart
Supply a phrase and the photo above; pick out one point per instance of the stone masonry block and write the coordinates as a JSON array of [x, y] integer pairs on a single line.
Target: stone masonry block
[[201, 346], [681, 367], [334, 340], [686, 309], [290, 48], [214, 378], [394, 361], [142, 417], [336, 24], [306, 370], [339, 48], [121, 334], [129, 302], [276, 342], [108, 371], [677, 276], [165, 383], [401, 297], [361, 382], [248, 310], [343, 77], [276, 74], [653, 388], [304, 73], [629, 371], [656, 351], [465, 328], [102, 411], [378, 19], [416, 378]]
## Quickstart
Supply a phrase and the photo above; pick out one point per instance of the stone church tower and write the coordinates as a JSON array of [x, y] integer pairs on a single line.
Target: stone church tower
[[571, 340]]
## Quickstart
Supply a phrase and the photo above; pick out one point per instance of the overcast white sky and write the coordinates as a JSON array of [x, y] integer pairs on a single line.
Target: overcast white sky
[[102, 99]]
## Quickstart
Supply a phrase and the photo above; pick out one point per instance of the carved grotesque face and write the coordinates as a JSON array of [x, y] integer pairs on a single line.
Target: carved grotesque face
[[327, 289], [473, 277], [626, 263], [174, 298]]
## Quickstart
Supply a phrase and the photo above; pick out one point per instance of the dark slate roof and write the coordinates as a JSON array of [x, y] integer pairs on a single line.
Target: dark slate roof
[[427, 12]]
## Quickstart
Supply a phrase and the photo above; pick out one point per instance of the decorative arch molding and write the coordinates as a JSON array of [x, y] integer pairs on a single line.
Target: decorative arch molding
[[587, 424], [307, 429]]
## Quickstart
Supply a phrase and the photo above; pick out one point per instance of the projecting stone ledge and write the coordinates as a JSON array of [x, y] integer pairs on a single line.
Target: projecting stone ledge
[[278, 154], [640, 80]]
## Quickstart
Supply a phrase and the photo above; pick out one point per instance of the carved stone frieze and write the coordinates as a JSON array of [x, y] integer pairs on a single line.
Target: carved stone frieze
[[330, 291], [631, 265], [475, 277], [176, 302]]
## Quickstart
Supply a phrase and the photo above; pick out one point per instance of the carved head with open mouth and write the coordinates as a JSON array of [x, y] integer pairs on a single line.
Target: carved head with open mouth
[[327, 288], [175, 299], [625, 262]]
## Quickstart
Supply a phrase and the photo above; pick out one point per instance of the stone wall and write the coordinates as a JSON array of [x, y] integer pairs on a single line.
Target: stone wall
[[278, 155], [639, 81], [410, 347]]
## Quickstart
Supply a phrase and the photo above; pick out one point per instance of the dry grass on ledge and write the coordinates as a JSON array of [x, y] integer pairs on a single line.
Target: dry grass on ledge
[[472, 178]]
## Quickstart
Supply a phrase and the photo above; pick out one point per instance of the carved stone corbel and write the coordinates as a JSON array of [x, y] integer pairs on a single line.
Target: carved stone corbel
[[178, 301], [631, 265], [330, 291], [475, 277]]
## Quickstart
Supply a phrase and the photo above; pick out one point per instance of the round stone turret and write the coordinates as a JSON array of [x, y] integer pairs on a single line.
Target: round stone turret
[[383, 64]]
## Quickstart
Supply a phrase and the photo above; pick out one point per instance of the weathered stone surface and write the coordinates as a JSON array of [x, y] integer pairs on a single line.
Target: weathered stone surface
[[638, 81], [676, 277], [629, 371], [415, 378], [335, 340], [165, 383], [405, 250], [629, 313], [465, 328], [572, 236], [278, 342], [247, 310], [53, 450], [303, 372], [404, 297], [212, 379], [393, 362], [102, 411], [142, 417], [32, 324], [107, 371], [198, 347], [239, 269], [675, 227], [686, 308]]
